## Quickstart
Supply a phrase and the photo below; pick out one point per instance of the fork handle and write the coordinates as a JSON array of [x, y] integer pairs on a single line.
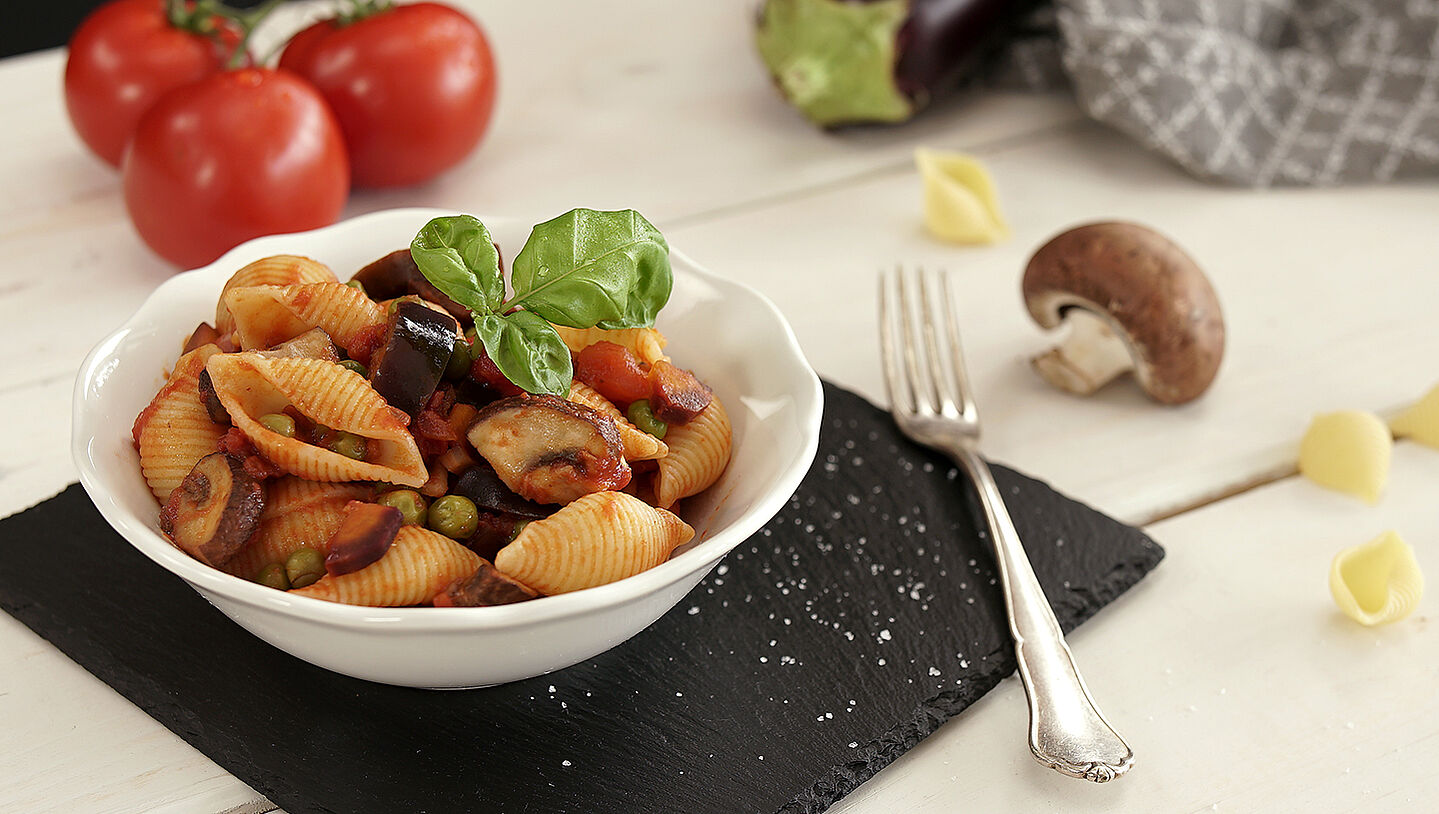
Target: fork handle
[[1067, 732]]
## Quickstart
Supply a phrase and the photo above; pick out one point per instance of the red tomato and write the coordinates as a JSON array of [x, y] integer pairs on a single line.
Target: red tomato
[[613, 371], [413, 87], [123, 57], [234, 156]]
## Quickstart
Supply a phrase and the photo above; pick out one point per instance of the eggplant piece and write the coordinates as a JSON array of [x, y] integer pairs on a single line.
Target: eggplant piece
[[676, 395], [494, 531], [366, 532], [312, 344], [396, 275], [549, 450], [204, 334], [413, 356], [859, 61], [482, 485], [487, 587], [208, 397], [214, 510]]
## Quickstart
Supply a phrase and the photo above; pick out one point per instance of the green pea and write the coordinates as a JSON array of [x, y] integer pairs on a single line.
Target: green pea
[[304, 566], [460, 359], [349, 445], [351, 364], [643, 417], [454, 516], [278, 423], [356, 284], [274, 576], [519, 527], [410, 503]]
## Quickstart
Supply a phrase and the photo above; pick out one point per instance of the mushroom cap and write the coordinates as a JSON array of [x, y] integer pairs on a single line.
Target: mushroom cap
[[1152, 293]]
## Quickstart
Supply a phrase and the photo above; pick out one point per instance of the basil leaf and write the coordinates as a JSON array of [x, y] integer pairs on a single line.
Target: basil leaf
[[594, 269], [459, 257], [528, 350]]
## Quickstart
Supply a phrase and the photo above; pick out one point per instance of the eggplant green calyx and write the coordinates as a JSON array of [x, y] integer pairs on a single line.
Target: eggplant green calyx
[[835, 60]]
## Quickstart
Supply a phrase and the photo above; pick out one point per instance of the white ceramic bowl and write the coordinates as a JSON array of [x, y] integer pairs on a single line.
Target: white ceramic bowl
[[729, 334]]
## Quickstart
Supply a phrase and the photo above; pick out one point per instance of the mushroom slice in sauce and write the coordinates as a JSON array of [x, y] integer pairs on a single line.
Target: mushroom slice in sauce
[[214, 510], [549, 450]]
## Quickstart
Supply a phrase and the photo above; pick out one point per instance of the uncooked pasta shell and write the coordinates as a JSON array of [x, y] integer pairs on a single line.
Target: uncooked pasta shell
[[646, 343], [638, 444], [281, 269], [251, 386], [600, 538], [1377, 582], [418, 565], [266, 315], [298, 513], [175, 431], [698, 454]]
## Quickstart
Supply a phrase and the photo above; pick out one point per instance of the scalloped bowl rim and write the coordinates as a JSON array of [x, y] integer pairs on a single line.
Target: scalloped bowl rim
[[807, 393]]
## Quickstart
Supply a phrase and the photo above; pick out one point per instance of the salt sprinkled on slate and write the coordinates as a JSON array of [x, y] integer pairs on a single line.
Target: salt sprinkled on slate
[[728, 703]]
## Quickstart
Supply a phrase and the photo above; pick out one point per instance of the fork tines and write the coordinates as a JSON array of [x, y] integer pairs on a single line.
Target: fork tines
[[932, 380]]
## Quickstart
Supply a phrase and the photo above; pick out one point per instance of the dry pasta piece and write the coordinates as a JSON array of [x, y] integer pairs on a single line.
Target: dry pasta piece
[[1377, 582], [600, 538], [251, 386], [1421, 421], [175, 431], [698, 453], [1347, 451], [419, 564], [646, 343], [297, 513], [266, 315], [281, 269], [638, 444]]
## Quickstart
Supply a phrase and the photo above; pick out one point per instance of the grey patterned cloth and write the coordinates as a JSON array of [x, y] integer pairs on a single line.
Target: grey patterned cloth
[[1253, 92]]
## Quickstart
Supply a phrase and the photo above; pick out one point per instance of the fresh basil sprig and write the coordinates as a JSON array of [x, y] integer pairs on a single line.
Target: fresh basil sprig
[[584, 269]]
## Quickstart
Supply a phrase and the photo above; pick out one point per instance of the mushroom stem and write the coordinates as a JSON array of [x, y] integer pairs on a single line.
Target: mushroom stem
[[1091, 356]]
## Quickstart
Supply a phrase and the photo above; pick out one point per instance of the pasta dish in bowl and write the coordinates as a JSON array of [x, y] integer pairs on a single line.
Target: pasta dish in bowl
[[433, 476]]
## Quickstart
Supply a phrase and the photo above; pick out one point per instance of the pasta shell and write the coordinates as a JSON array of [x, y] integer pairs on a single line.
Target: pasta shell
[[698, 453], [419, 564], [266, 315], [297, 513], [600, 538], [638, 444], [175, 431], [250, 386], [1347, 451], [1421, 421], [281, 269], [646, 343], [1377, 582], [960, 204]]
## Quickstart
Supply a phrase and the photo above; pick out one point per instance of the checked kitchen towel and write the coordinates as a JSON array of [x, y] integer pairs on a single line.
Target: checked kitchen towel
[[1253, 92]]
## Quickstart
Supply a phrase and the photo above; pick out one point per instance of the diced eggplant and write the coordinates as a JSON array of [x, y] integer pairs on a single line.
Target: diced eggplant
[[412, 358], [208, 397], [396, 275], [487, 587], [366, 532], [549, 450], [204, 334], [494, 531], [677, 396], [482, 485], [312, 344], [214, 510]]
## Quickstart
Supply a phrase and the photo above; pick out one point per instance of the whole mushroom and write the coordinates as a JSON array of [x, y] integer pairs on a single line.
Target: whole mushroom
[[1133, 301]]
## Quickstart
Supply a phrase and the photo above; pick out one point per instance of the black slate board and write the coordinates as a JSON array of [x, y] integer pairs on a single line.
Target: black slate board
[[853, 625]]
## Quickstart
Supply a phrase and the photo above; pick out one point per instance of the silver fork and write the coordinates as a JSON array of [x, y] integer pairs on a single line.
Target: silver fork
[[930, 398]]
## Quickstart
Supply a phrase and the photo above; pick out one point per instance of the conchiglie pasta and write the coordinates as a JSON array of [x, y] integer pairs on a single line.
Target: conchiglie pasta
[[698, 454], [419, 564], [251, 386], [281, 269], [175, 431], [600, 538], [638, 444], [646, 343], [1377, 582], [298, 513], [267, 315]]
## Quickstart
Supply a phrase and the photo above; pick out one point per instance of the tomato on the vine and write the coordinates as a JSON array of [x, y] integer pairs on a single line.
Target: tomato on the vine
[[233, 156], [128, 53], [413, 87]]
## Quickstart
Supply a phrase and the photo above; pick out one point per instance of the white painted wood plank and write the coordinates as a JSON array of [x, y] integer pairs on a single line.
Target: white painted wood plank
[[1238, 683], [1330, 299]]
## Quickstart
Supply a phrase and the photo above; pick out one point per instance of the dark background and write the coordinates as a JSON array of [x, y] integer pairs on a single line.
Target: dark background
[[31, 25]]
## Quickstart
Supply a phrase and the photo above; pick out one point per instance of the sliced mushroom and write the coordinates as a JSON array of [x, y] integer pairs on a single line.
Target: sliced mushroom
[[1134, 302], [677, 395], [550, 450], [487, 587], [214, 510], [366, 532], [208, 397]]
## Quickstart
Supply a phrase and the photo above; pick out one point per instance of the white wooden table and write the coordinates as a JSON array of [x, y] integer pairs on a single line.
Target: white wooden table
[[1238, 683]]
